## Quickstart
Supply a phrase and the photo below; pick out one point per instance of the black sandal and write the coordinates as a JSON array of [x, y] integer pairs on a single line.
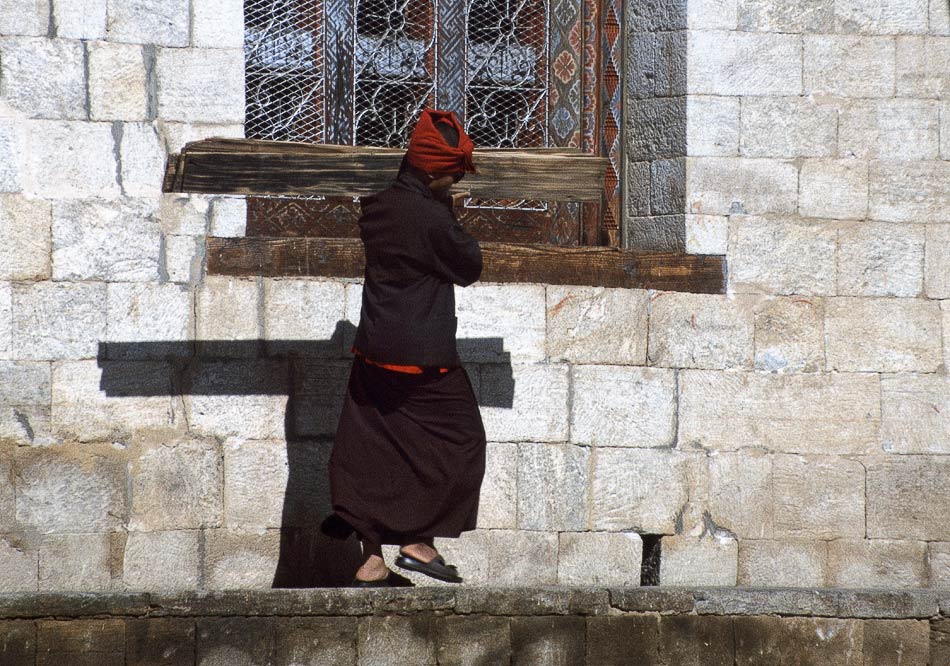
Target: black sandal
[[435, 568], [392, 579]]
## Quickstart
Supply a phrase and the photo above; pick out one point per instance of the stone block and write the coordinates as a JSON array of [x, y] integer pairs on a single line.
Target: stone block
[[552, 486], [849, 66], [142, 156], [643, 490], [236, 641], [937, 261], [169, 641], [229, 309], [939, 18], [183, 258], [762, 639], [186, 92], [228, 217], [79, 489], [176, 485], [24, 403], [113, 400], [687, 560], [818, 497], [19, 17], [667, 186], [945, 311], [539, 404], [701, 330], [12, 154], [799, 17], [597, 325], [548, 640], [185, 214], [116, 241], [177, 134], [496, 558], [938, 558], [707, 234], [657, 15], [473, 639], [238, 399], [834, 189], [881, 259], [656, 129], [314, 641], [639, 71], [217, 24], [161, 561], [623, 639], [18, 641], [713, 126], [7, 496], [320, 387], [789, 335], [75, 562], [162, 22], [728, 186], [623, 406], [740, 498], [801, 413], [781, 257], [657, 233], [6, 320], [670, 63], [241, 559], [788, 563], [882, 335], [881, 17], [498, 323], [69, 160], [24, 238], [43, 78], [255, 482], [877, 563], [395, 640], [892, 642], [906, 498], [713, 15], [18, 565], [944, 132], [637, 196], [788, 127], [83, 642], [158, 319], [696, 639], [744, 63], [910, 191], [498, 499], [618, 557], [80, 19], [303, 310], [891, 129]]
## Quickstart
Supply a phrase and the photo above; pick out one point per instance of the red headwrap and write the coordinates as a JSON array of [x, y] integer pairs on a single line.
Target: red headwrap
[[429, 151]]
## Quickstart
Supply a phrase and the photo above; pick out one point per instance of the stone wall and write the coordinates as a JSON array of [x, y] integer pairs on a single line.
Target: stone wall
[[165, 429]]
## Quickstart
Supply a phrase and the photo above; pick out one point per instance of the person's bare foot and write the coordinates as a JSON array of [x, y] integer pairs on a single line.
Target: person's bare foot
[[421, 551], [374, 568]]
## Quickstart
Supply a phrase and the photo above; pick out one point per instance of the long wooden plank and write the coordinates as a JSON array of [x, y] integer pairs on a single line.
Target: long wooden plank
[[504, 262], [249, 167]]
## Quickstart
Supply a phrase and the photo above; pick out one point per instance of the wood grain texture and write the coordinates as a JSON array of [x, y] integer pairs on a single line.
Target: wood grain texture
[[503, 262]]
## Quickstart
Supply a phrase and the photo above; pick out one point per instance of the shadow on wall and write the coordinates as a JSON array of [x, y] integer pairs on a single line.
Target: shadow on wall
[[313, 375]]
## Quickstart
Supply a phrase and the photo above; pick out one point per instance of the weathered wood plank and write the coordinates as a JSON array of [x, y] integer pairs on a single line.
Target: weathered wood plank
[[504, 262], [246, 166]]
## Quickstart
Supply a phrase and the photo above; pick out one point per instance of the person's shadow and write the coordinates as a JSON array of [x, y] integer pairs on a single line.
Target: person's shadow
[[313, 375]]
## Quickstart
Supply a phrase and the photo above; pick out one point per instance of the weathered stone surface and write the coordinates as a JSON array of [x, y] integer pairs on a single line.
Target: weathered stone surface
[[80, 19], [713, 126], [921, 400], [76, 562], [944, 132], [18, 565], [185, 214], [176, 485], [235, 641], [24, 238], [945, 311], [498, 497], [740, 498], [881, 259], [597, 325], [320, 386], [789, 335], [938, 558], [255, 481], [656, 15], [19, 17], [187, 93], [103, 402], [143, 160], [43, 78], [877, 563], [79, 489], [639, 489], [622, 640], [258, 411], [177, 134], [707, 234], [317, 641], [228, 217], [656, 128], [552, 486], [157, 316], [308, 310], [939, 18], [116, 241], [889, 643], [82, 642], [713, 15], [6, 320], [546, 600], [617, 555], [519, 558], [24, 403], [169, 641], [69, 160], [657, 233], [7, 496], [818, 496], [787, 563], [831, 641], [724, 186], [882, 334], [798, 17], [639, 72], [640, 412], [473, 639], [694, 640], [826, 413], [18, 642], [849, 66], [228, 309], [539, 410], [502, 322], [700, 330], [906, 498], [820, 602], [744, 63], [183, 258], [163, 22], [910, 191], [548, 640], [652, 599], [687, 560], [670, 63], [165, 560], [890, 129], [397, 640], [881, 17], [834, 189], [787, 127], [667, 186], [937, 261], [12, 141], [239, 559]]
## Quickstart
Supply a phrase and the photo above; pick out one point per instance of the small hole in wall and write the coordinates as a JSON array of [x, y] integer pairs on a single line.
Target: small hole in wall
[[650, 567]]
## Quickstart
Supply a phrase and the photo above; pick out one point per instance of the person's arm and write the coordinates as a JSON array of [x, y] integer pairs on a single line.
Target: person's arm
[[456, 255]]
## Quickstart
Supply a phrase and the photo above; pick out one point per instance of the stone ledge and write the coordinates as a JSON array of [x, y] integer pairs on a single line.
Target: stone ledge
[[531, 601]]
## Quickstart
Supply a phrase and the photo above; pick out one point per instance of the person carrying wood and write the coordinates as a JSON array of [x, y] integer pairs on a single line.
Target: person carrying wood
[[409, 455]]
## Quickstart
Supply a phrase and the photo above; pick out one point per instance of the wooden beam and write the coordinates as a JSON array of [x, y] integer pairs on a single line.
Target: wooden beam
[[254, 167], [504, 262]]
